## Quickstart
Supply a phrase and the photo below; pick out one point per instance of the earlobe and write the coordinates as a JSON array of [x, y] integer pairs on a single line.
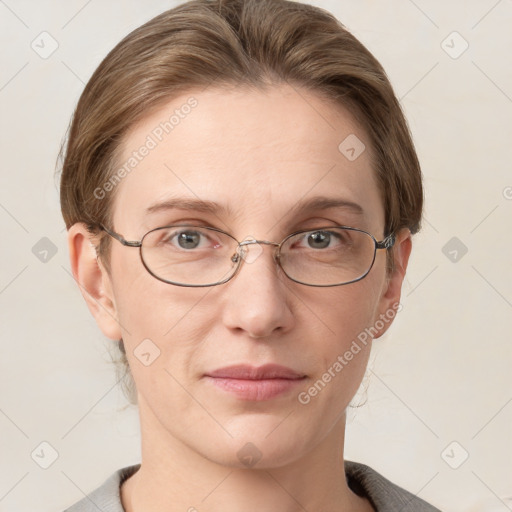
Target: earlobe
[[93, 280], [390, 298]]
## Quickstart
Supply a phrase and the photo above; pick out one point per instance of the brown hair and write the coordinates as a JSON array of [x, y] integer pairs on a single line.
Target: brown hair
[[255, 43]]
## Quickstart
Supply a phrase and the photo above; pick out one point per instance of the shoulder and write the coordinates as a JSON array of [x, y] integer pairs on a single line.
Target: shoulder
[[384, 495], [107, 496]]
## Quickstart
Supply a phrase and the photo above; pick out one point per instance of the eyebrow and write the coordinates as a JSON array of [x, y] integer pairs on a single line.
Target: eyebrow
[[197, 205], [326, 203], [303, 206]]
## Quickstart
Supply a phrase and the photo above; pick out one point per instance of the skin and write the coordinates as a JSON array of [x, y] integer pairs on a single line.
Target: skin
[[257, 153]]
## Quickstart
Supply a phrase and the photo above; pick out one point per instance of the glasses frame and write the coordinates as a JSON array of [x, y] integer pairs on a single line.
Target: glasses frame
[[387, 243]]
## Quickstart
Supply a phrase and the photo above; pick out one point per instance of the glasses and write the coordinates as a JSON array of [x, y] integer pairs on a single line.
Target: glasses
[[188, 255]]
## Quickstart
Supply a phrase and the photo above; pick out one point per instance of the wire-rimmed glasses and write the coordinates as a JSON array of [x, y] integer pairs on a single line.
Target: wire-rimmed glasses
[[199, 256]]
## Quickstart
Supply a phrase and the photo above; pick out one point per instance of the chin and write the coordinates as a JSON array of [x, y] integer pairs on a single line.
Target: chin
[[262, 443], [248, 455]]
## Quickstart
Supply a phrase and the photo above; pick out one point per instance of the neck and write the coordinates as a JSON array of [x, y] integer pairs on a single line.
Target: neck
[[173, 477]]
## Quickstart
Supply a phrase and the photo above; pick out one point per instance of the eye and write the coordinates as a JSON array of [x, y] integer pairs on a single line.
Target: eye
[[321, 239], [188, 239]]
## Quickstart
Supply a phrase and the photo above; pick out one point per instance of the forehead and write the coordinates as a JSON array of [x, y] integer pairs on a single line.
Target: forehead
[[256, 154]]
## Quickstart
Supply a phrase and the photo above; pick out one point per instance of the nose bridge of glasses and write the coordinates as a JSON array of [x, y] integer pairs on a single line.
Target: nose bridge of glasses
[[243, 253], [253, 241]]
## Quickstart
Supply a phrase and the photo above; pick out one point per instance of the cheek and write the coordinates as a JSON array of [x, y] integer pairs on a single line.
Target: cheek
[[348, 315], [147, 307], [164, 327], [350, 309]]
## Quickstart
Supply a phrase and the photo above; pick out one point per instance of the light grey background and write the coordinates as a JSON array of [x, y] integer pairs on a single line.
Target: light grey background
[[439, 383]]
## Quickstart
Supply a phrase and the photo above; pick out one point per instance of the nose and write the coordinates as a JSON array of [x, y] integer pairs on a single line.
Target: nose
[[257, 300]]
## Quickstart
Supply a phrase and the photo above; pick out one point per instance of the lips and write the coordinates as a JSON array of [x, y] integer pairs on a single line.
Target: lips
[[247, 372], [251, 383]]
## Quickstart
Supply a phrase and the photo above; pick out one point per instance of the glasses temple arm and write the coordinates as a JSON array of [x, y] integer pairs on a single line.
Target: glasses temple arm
[[119, 238], [387, 243]]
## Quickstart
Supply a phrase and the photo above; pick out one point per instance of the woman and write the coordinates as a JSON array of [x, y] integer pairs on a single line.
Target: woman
[[240, 189]]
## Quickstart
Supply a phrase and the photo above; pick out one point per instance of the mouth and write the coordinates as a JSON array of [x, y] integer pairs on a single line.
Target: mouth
[[255, 383]]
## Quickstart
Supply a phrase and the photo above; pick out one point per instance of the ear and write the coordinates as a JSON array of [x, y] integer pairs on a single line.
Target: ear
[[389, 303], [93, 279]]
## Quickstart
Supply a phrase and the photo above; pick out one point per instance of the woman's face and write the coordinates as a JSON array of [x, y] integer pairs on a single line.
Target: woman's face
[[258, 158]]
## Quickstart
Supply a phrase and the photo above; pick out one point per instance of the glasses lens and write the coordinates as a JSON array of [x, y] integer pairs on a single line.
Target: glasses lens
[[189, 255], [327, 257]]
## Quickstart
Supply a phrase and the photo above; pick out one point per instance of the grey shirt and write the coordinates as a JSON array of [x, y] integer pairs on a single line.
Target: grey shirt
[[384, 495]]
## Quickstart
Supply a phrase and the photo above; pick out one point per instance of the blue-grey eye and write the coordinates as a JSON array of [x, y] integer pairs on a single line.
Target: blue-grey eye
[[189, 239], [319, 239]]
